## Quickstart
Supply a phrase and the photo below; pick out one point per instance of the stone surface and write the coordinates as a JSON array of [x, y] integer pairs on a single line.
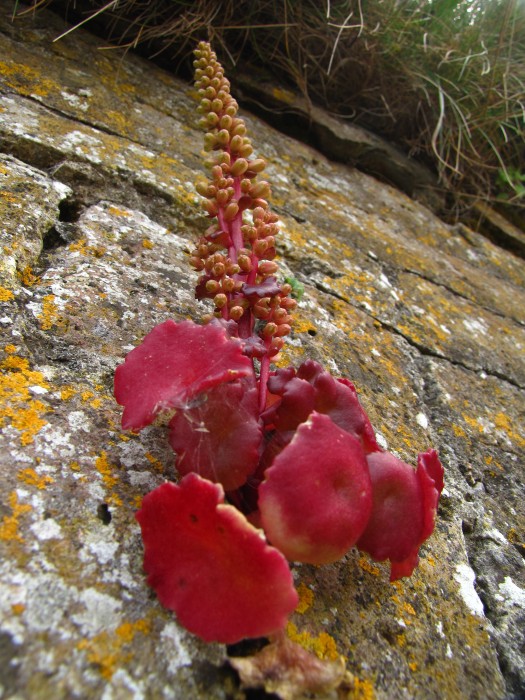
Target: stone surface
[[99, 155]]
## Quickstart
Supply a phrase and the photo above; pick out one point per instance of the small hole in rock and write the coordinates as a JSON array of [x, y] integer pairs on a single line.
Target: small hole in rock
[[103, 513], [312, 332]]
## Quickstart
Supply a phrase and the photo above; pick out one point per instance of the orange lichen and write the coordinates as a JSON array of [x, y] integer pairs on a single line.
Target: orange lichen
[[146, 243], [6, 294], [116, 211], [26, 80], [31, 478], [323, 646], [306, 599], [365, 564], [16, 402], [27, 277], [503, 423], [361, 690], [156, 463], [105, 650], [9, 524], [66, 392], [17, 608], [105, 469], [81, 246], [50, 315]]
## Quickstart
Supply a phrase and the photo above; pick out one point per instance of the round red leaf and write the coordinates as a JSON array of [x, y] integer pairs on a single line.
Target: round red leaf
[[316, 498], [209, 565]]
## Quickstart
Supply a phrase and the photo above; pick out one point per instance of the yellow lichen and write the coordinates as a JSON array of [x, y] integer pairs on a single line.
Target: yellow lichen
[[365, 564], [146, 243], [16, 402], [362, 690], [156, 463], [106, 650], [323, 645], [26, 277], [116, 211], [105, 469], [503, 423], [66, 392], [9, 524], [6, 294], [50, 315], [306, 599], [81, 246], [31, 478]]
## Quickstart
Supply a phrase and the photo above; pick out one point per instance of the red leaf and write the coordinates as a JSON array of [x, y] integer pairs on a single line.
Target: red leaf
[[316, 498], [174, 362], [209, 565], [220, 437], [404, 510], [313, 388]]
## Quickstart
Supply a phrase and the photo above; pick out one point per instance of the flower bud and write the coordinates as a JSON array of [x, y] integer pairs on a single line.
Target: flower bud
[[216, 172], [239, 167], [239, 129], [197, 263], [245, 263], [257, 165], [259, 247], [217, 106], [228, 284], [212, 286], [267, 267], [202, 187], [260, 189], [269, 329], [231, 211], [232, 108], [246, 150], [288, 303], [220, 300], [223, 196], [282, 330], [226, 122], [261, 312], [236, 312], [210, 141], [210, 93], [210, 205], [275, 346], [211, 120], [218, 269], [245, 185], [236, 143], [223, 137]]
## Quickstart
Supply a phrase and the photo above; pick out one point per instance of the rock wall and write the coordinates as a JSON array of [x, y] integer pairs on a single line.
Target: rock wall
[[98, 155]]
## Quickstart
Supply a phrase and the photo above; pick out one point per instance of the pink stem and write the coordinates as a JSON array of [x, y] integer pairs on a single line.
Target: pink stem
[[263, 381]]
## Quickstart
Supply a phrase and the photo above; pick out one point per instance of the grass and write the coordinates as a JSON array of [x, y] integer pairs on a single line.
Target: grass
[[443, 79]]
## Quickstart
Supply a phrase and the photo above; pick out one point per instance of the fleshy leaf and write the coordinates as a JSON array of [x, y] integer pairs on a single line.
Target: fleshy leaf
[[219, 437], [174, 362], [313, 388], [404, 510], [316, 498], [208, 564]]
